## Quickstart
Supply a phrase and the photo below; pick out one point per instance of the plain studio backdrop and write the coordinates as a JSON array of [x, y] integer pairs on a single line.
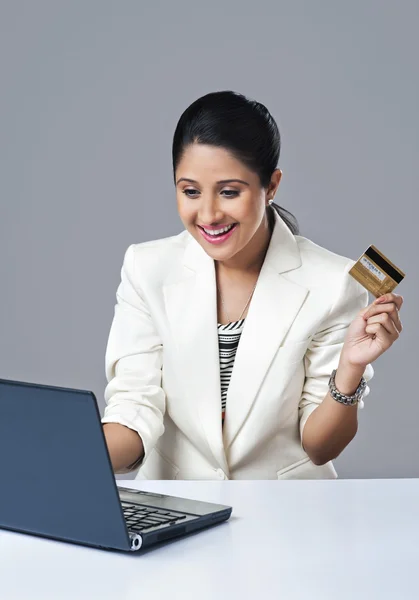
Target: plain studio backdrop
[[91, 92]]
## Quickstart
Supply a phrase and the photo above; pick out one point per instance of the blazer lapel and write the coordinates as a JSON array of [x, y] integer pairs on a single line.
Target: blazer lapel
[[275, 304], [191, 305]]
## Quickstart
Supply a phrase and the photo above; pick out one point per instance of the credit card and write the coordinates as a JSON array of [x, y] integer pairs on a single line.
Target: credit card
[[376, 272]]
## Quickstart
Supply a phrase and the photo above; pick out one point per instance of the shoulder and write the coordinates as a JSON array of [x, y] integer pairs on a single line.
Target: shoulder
[[319, 263], [327, 272], [162, 247], [155, 259]]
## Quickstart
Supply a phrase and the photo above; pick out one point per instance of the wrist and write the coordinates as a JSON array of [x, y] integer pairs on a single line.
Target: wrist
[[348, 377]]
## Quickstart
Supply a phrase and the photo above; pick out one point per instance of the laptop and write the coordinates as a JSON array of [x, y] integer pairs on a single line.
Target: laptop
[[58, 482]]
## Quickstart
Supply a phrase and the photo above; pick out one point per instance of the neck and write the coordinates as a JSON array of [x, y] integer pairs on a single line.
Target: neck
[[250, 259]]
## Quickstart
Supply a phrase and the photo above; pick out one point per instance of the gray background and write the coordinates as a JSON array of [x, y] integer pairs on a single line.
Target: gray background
[[90, 95]]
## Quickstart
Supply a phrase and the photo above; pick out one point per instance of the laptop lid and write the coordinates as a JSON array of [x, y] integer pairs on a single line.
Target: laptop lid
[[57, 478]]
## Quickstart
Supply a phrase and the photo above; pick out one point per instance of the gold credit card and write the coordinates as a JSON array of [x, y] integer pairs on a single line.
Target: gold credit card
[[376, 273]]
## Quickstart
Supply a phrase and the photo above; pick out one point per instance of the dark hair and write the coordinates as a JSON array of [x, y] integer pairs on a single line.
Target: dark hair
[[242, 126]]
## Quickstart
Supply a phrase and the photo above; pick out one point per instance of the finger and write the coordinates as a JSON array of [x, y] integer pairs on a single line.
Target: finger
[[390, 297], [395, 317], [377, 331], [385, 321], [390, 308]]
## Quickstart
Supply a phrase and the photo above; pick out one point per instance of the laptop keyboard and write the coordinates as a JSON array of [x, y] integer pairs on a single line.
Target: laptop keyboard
[[140, 518]]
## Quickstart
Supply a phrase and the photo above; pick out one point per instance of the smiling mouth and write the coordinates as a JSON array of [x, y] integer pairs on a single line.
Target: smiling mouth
[[218, 232], [218, 236]]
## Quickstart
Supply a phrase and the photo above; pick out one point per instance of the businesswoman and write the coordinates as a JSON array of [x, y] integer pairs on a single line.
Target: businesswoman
[[238, 349]]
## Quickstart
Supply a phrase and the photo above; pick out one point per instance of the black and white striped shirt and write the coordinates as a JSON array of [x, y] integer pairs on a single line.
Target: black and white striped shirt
[[228, 341]]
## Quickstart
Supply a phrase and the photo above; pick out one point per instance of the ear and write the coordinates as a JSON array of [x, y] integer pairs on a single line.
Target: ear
[[275, 181]]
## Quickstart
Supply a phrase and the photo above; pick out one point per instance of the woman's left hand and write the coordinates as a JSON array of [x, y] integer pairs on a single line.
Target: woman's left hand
[[373, 331]]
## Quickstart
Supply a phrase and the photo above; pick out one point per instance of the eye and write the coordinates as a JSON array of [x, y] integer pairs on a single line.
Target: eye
[[188, 192], [231, 193]]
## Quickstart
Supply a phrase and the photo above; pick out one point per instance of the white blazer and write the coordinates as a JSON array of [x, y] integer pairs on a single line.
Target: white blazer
[[162, 361]]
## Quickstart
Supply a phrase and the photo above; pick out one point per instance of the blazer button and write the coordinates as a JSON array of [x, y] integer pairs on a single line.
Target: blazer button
[[221, 474]]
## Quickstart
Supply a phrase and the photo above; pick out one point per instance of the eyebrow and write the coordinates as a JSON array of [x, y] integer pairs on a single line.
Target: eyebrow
[[222, 181]]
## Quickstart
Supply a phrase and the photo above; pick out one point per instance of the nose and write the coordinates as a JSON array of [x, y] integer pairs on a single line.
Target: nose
[[210, 212]]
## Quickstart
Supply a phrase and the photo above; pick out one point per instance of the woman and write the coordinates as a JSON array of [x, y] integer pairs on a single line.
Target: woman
[[176, 407]]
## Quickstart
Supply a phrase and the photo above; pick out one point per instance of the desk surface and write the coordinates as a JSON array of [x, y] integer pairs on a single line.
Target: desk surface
[[305, 540]]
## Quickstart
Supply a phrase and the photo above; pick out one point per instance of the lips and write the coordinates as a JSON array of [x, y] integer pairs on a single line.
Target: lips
[[217, 230], [220, 238]]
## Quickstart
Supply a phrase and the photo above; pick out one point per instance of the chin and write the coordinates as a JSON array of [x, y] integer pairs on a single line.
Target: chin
[[219, 254]]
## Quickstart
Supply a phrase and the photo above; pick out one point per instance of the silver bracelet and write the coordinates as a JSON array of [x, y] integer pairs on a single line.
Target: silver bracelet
[[344, 398]]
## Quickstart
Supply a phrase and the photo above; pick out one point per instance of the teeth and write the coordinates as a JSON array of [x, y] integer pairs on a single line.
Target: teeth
[[217, 231]]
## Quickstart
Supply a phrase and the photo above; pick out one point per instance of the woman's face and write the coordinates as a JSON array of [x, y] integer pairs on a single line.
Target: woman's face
[[215, 191]]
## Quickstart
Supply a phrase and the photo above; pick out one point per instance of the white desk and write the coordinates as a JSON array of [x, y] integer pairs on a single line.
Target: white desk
[[304, 540]]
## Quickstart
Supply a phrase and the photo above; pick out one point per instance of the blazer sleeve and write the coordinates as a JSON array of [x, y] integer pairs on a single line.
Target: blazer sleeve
[[322, 355], [134, 396]]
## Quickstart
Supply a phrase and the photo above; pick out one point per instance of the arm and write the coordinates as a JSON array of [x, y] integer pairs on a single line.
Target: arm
[[326, 426], [124, 445], [135, 400], [332, 426], [372, 332]]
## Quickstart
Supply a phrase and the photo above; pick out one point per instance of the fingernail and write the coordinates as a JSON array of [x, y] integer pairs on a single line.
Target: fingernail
[[380, 299]]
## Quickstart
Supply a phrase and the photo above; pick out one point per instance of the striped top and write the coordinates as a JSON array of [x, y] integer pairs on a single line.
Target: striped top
[[228, 341]]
